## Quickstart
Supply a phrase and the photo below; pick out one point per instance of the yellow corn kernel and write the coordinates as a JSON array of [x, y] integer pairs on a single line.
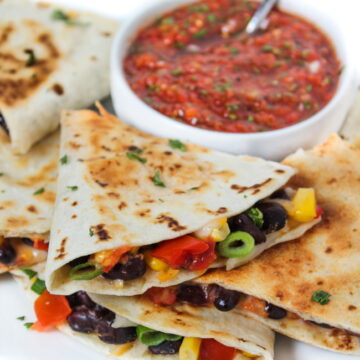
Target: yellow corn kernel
[[221, 233], [303, 207], [122, 349], [190, 349], [154, 263], [206, 231], [167, 274], [101, 255], [251, 356]]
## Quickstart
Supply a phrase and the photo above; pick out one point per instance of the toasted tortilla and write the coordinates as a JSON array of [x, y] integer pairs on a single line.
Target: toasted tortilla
[[240, 332], [326, 258], [107, 200], [28, 190], [49, 64]]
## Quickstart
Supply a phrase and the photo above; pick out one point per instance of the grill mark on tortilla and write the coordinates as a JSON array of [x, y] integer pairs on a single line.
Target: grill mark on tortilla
[[280, 171], [58, 89], [15, 88], [17, 222], [352, 307], [122, 205], [143, 212], [42, 176], [240, 189], [61, 250], [32, 209], [74, 216], [74, 203], [102, 233], [343, 340], [172, 223]]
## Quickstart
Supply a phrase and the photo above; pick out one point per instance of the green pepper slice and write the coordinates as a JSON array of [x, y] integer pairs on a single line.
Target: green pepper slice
[[237, 244], [92, 271], [152, 337]]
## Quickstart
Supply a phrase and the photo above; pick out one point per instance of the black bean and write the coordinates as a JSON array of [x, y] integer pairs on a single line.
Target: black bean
[[7, 253], [166, 348], [111, 335], [78, 261], [129, 268], [3, 124], [82, 320], [27, 241], [275, 312], [80, 298], [325, 326], [280, 194], [226, 300], [243, 222], [275, 216], [192, 294]]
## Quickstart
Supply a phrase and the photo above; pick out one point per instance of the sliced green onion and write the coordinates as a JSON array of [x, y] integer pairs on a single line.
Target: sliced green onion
[[237, 244], [29, 272], [28, 325], [152, 337], [256, 216], [38, 286], [90, 273]]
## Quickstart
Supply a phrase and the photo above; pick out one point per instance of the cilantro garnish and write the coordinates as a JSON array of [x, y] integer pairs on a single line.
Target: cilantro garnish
[[73, 188], [321, 297], [177, 144], [21, 318], [132, 155], [64, 160], [31, 59], [157, 179], [29, 272], [28, 325], [40, 191], [62, 16], [91, 232], [256, 216]]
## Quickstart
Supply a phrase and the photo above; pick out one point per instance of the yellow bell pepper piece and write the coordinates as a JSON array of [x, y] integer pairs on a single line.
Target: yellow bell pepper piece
[[250, 356], [101, 255], [154, 263], [190, 349], [221, 233], [216, 230], [167, 274], [303, 207]]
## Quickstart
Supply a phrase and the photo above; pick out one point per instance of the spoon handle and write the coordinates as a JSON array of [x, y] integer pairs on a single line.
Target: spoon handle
[[260, 14]]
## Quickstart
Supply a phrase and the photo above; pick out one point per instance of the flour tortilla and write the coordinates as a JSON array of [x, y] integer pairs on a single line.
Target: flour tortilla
[[116, 202], [326, 258], [240, 332], [22, 212], [71, 68]]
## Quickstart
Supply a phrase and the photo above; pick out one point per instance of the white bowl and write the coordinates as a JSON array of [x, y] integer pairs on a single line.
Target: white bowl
[[273, 145]]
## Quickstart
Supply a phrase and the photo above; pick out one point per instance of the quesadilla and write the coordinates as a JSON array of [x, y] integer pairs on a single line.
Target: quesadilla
[[308, 289], [27, 198], [135, 211], [134, 328], [51, 58]]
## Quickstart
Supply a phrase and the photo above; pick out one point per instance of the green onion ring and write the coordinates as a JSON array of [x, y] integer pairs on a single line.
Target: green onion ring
[[76, 274], [152, 337], [237, 245]]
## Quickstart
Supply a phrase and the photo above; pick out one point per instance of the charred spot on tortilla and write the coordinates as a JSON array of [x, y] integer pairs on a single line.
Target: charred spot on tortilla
[[74, 216], [3, 124], [240, 189], [32, 60], [173, 224], [106, 33], [122, 205], [102, 184], [61, 250], [32, 209], [113, 195], [352, 307], [102, 233], [58, 89], [280, 171]]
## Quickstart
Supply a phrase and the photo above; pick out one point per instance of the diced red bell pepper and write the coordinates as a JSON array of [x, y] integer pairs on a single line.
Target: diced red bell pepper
[[319, 211], [51, 309], [40, 244], [110, 261], [39, 328], [204, 260], [181, 252], [213, 350], [162, 296]]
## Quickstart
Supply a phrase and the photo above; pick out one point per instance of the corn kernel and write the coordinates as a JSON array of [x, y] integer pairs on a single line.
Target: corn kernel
[[154, 263], [101, 255], [303, 207], [251, 356], [206, 231], [221, 233], [190, 349], [167, 274]]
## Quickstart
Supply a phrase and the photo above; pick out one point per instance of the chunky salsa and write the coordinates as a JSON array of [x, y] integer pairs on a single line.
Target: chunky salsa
[[197, 65]]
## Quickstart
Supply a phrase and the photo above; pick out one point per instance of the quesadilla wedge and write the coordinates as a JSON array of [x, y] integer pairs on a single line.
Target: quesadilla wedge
[[134, 328], [308, 289], [135, 211], [51, 58], [27, 198]]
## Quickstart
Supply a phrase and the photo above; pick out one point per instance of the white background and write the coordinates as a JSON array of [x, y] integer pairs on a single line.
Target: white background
[[17, 343]]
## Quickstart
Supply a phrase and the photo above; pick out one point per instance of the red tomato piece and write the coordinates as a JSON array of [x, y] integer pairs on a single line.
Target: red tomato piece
[[204, 260], [41, 245], [51, 309], [319, 211], [213, 350], [162, 296], [179, 252]]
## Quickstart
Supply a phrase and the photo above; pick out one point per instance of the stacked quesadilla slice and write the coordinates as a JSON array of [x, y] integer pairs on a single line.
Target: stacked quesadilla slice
[[135, 211]]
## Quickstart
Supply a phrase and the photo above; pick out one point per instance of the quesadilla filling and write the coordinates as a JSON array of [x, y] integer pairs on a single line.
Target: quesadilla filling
[[86, 317], [237, 237], [17, 251], [225, 300]]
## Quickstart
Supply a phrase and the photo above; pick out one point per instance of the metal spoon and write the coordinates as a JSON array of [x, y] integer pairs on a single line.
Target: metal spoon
[[260, 14]]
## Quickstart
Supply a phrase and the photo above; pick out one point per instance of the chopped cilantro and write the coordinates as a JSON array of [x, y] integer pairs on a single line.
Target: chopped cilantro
[[73, 188], [1, 174], [64, 160], [39, 191], [179, 45], [60, 15], [200, 34], [21, 318], [321, 297], [134, 156], [177, 144], [267, 48], [167, 21], [161, 200], [212, 18], [38, 286], [31, 57], [194, 188], [203, 92], [91, 232], [222, 88], [232, 107], [157, 179], [307, 105], [308, 88], [199, 8], [29, 272], [28, 325], [232, 116], [256, 216], [250, 118], [177, 72]]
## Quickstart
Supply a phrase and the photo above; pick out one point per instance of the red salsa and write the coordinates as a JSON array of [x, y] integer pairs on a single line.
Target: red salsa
[[198, 66]]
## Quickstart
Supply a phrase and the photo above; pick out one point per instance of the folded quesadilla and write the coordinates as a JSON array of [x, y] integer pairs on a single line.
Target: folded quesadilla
[[27, 198], [307, 289], [135, 211], [51, 58], [134, 328]]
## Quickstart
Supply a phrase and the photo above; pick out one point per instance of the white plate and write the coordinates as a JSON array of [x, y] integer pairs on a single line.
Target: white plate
[[18, 343]]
